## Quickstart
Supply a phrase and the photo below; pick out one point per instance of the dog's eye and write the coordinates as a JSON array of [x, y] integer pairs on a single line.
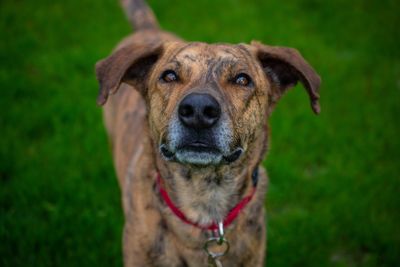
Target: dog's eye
[[169, 76], [242, 79]]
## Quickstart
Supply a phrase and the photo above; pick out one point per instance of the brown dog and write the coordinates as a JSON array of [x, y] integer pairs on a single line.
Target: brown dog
[[188, 126]]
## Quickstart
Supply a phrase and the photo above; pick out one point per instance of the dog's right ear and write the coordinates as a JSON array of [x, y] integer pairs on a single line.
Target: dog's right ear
[[130, 64]]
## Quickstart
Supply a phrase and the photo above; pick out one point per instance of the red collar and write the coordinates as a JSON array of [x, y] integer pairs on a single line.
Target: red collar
[[234, 212]]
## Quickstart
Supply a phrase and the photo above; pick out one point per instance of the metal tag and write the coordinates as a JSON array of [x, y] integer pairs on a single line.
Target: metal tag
[[213, 262], [219, 240]]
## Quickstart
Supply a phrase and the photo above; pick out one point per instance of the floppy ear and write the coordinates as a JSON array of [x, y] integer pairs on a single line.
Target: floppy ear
[[130, 64], [285, 67]]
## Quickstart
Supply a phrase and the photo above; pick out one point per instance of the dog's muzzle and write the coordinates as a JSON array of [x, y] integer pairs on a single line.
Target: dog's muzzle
[[199, 133]]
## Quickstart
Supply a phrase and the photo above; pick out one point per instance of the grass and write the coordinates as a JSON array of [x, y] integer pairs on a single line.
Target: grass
[[334, 188]]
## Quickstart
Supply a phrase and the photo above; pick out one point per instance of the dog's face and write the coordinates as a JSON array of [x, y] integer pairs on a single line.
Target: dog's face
[[207, 103], [207, 94]]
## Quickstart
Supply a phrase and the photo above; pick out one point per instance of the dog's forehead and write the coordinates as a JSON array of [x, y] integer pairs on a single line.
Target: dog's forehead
[[203, 52]]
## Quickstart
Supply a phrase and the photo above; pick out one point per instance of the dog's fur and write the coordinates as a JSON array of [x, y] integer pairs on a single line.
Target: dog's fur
[[141, 117]]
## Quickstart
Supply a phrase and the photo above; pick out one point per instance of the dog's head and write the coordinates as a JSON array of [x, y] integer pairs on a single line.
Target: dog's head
[[207, 103]]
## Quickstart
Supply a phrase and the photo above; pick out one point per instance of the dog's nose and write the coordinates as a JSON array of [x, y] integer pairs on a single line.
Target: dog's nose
[[199, 111]]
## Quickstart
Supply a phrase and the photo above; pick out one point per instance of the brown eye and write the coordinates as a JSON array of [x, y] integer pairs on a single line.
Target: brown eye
[[242, 79], [169, 76]]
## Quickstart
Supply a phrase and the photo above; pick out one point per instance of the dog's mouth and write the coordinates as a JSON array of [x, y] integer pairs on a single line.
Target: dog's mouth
[[200, 146], [199, 153]]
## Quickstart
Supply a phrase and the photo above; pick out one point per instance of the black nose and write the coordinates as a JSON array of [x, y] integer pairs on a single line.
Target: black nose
[[199, 111]]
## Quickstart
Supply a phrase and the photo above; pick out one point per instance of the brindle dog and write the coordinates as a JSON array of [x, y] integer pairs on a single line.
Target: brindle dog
[[195, 113]]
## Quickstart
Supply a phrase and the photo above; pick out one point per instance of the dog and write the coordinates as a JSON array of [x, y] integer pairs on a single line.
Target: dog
[[188, 126]]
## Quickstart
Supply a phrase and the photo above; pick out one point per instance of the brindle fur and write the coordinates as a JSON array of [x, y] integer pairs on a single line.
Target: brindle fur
[[137, 121]]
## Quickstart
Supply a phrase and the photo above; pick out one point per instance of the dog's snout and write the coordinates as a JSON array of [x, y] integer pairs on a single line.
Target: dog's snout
[[199, 111]]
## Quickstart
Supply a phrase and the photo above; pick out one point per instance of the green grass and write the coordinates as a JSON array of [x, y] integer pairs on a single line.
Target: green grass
[[334, 195]]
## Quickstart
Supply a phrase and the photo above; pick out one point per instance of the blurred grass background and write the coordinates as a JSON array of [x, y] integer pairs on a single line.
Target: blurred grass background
[[334, 179]]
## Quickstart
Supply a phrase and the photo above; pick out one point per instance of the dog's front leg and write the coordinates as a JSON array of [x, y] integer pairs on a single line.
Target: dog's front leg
[[135, 246], [150, 244]]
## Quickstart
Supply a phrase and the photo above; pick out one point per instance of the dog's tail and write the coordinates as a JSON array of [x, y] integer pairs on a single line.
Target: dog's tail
[[140, 15]]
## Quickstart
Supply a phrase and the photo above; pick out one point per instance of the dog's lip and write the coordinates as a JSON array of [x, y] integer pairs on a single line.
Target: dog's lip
[[202, 148], [199, 146], [166, 152], [234, 155]]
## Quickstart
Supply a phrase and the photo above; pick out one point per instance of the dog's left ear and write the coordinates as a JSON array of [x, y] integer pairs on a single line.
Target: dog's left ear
[[285, 67], [130, 64]]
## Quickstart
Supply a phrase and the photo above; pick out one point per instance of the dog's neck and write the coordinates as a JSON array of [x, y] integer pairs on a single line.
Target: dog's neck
[[206, 195]]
